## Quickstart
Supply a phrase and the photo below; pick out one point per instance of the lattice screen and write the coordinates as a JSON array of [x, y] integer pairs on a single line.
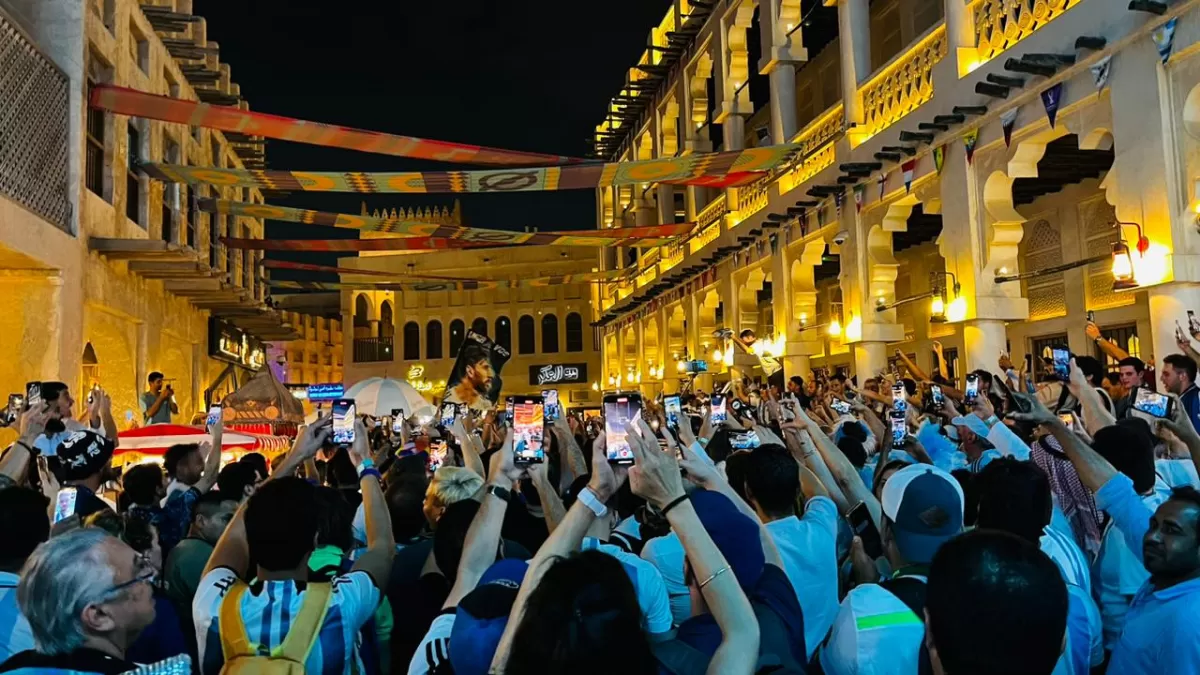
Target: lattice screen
[[1047, 297], [33, 129]]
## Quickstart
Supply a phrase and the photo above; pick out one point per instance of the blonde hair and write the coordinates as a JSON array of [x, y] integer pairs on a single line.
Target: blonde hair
[[452, 484]]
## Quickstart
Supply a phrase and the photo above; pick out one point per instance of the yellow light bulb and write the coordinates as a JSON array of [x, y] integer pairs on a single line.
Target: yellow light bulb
[[835, 328], [680, 366], [937, 307]]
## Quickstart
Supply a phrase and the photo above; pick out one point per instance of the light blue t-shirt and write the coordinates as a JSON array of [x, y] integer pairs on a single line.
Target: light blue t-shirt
[[15, 634], [647, 584], [1118, 570], [808, 547]]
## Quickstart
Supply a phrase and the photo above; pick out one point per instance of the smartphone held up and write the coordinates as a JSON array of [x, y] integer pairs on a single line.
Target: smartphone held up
[[620, 410]]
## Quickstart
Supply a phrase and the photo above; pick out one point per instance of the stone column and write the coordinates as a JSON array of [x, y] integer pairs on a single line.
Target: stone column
[[984, 339], [869, 359], [854, 41], [1169, 303], [781, 50], [960, 35]]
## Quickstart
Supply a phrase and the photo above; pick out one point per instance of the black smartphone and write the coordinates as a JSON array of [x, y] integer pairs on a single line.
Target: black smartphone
[[744, 440], [1091, 316], [972, 390], [397, 421], [619, 410], [550, 399], [717, 401], [864, 528], [343, 421], [1062, 362], [33, 394], [673, 411], [899, 430], [1152, 403], [529, 429], [448, 414], [899, 402], [936, 395], [508, 411]]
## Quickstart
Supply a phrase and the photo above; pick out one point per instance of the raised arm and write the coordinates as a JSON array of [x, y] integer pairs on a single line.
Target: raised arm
[[212, 460], [943, 368], [19, 457], [553, 510], [1094, 471], [1181, 425], [381, 546], [917, 373], [570, 452], [843, 471], [1095, 415], [1109, 347], [810, 460], [470, 452]]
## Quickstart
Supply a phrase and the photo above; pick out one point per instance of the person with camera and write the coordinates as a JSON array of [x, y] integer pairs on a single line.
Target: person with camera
[[158, 402]]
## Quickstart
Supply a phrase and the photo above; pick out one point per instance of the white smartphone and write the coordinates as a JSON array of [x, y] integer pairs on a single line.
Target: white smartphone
[[619, 410], [214, 415], [64, 503]]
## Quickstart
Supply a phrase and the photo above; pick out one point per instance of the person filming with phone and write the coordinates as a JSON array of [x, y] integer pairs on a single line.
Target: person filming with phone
[[158, 402], [1179, 378]]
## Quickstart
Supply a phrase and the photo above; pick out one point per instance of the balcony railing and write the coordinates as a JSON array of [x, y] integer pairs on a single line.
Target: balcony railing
[[33, 137], [1000, 24], [904, 83], [370, 350]]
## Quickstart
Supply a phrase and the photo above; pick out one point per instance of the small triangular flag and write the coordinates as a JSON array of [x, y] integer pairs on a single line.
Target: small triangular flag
[[820, 216], [882, 185], [939, 158], [803, 222], [858, 196], [908, 168], [1050, 99], [1164, 39], [1007, 120], [774, 239], [838, 198], [1100, 72], [969, 140]]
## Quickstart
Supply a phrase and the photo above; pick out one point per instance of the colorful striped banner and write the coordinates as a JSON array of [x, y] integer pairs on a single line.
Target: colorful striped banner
[[337, 245], [592, 277], [222, 118], [651, 235], [724, 169], [381, 286]]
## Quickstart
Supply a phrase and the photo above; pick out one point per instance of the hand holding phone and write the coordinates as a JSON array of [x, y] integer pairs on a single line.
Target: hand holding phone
[[215, 416], [673, 411], [620, 410], [529, 429], [343, 421], [1062, 363], [864, 528], [1152, 403], [971, 393], [719, 415]]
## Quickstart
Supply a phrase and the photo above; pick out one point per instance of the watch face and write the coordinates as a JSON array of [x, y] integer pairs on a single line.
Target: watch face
[[500, 492]]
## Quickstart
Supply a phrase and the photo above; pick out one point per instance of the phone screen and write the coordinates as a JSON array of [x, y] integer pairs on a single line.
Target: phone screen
[[550, 396], [899, 430], [899, 402], [1152, 403], [674, 411], [449, 412], [508, 411], [864, 528], [718, 408], [33, 394], [16, 403], [840, 406], [214, 415], [619, 410], [397, 421], [939, 399], [343, 421], [64, 503], [1067, 418], [744, 440], [1062, 363], [529, 426], [437, 455], [1091, 316], [972, 391]]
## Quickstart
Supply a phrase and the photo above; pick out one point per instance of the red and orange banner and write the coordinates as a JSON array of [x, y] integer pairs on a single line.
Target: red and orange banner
[[125, 101]]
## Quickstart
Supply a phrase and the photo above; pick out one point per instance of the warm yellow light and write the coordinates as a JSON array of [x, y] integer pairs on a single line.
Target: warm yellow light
[[595, 386], [937, 307], [1122, 267], [957, 311], [680, 366], [1150, 267], [1003, 270], [803, 319], [729, 357], [716, 354], [854, 329], [639, 378], [835, 328]]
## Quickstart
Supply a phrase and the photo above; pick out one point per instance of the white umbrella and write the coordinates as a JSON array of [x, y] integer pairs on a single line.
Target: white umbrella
[[379, 396]]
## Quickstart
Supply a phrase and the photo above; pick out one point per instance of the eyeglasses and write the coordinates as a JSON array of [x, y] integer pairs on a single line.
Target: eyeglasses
[[143, 573]]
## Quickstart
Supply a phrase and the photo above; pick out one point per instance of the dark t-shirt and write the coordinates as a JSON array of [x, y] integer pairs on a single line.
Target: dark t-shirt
[[82, 660]]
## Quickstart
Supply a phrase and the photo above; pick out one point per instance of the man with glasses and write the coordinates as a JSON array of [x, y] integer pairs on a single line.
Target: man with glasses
[[87, 595]]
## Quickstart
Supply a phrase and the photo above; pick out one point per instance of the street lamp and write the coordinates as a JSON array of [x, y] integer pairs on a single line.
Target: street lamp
[[943, 295], [1122, 267]]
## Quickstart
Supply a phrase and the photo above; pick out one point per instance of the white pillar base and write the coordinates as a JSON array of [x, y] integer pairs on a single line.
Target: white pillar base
[[1168, 303], [984, 339], [869, 358]]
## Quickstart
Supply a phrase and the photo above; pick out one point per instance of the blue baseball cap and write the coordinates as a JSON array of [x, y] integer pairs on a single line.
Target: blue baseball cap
[[482, 616], [925, 507], [735, 534]]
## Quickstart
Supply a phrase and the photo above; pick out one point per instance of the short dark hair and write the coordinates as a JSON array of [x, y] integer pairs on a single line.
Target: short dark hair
[[910, 386], [335, 519], [24, 522], [138, 531], [853, 450], [234, 478], [1129, 446], [281, 522], [996, 605], [405, 497], [1134, 362], [983, 375], [154, 376], [855, 430], [451, 534], [773, 479], [1182, 362], [52, 390], [719, 446], [737, 467], [211, 502], [1014, 497], [840, 377], [258, 462], [474, 352], [141, 483], [1092, 369], [797, 380], [1186, 493], [176, 454]]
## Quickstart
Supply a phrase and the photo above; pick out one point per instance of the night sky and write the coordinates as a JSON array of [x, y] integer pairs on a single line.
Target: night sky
[[528, 75]]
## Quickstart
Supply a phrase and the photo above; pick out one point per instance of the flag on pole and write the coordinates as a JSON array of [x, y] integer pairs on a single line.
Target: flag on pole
[[969, 140], [1100, 72], [908, 168], [1050, 99], [939, 158], [1164, 39], [1007, 120], [858, 196]]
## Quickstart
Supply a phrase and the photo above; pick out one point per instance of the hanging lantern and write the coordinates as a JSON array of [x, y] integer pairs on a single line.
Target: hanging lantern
[[1122, 267]]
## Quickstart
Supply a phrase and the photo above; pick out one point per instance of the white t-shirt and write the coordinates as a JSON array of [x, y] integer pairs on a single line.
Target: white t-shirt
[[647, 584], [666, 554], [268, 609], [808, 546], [435, 646]]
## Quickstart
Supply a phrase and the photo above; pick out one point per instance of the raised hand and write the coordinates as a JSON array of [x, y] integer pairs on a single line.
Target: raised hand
[[606, 478], [655, 474], [314, 436], [1038, 412], [502, 465]]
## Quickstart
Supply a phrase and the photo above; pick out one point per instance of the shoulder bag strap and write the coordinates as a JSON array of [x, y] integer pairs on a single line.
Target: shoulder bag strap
[[234, 641], [307, 626]]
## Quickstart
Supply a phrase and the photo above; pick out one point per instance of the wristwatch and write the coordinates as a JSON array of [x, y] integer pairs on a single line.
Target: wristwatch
[[503, 493]]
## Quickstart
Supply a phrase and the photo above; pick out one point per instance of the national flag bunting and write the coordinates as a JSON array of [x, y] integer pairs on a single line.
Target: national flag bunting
[[969, 140], [1007, 120], [908, 168], [1051, 98], [858, 196], [1164, 39], [939, 158]]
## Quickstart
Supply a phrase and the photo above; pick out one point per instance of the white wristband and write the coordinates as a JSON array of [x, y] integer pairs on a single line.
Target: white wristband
[[589, 500]]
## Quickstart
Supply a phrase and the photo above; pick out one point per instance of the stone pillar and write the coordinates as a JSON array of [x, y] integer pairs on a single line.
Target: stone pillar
[[1169, 303], [781, 50], [620, 360], [854, 40], [797, 365], [869, 358], [984, 339], [666, 204], [960, 35]]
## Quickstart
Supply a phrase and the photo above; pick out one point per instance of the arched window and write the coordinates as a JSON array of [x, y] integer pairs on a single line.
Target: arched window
[[458, 330], [412, 341], [362, 311], [480, 325], [549, 334], [574, 332], [433, 340], [386, 328], [525, 340], [504, 333]]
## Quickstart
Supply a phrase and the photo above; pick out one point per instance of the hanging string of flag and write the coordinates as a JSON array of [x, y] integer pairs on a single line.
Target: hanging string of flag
[[396, 277]]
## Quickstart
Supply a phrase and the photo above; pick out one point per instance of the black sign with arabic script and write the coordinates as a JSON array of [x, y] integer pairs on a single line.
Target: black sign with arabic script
[[558, 373]]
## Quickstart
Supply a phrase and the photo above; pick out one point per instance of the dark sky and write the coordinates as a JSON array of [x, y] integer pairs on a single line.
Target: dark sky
[[525, 75]]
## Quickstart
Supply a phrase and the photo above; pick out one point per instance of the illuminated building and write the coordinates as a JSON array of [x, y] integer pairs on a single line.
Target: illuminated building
[[969, 255]]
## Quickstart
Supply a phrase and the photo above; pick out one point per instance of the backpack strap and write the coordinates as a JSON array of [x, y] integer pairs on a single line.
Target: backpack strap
[[234, 641], [307, 626]]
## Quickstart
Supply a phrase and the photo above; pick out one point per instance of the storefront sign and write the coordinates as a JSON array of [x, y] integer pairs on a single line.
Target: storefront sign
[[326, 392], [231, 344], [566, 373]]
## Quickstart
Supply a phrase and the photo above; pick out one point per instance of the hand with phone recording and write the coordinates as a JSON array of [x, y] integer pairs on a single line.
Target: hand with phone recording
[[314, 437], [654, 475], [1180, 424], [502, 467], [1037, 413], [607, 478]]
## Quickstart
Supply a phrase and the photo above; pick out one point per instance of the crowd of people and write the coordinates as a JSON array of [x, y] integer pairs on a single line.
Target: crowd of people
[[1027, 520]]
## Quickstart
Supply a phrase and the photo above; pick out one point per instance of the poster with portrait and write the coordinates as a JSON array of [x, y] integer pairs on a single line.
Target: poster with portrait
[[475, 380]]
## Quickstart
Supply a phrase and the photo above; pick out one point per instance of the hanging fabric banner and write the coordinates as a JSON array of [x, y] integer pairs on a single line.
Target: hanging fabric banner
[[1007, 120], [1100, 72], [1050, 99], [858, 196], [1164, 39], [939, 158], [908, 168], [234, 120], [969, 140], [728, 168], [650, 235], [398, 277]]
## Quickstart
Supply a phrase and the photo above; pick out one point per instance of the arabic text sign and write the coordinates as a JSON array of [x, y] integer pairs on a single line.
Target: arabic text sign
[[558, 373], [326, 392]]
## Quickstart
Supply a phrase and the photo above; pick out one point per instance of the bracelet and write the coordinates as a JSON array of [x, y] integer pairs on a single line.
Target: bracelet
[[676, 502], [370, 472], [716, 574]]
